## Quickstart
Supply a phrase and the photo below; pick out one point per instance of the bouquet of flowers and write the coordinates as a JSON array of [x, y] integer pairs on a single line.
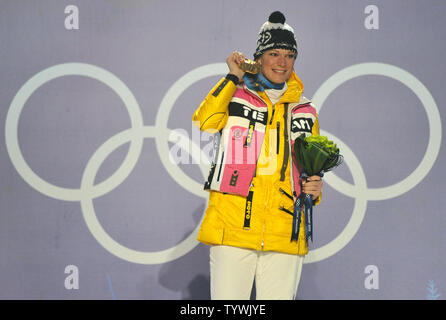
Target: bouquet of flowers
[[313, 155]]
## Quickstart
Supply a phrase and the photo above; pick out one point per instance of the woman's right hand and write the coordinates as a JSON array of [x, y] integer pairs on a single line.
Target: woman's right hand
[[233, 62]]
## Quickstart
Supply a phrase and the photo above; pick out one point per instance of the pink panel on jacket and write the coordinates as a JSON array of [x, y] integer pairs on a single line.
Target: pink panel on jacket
[[306, 108], [241, 160], [249, 97]]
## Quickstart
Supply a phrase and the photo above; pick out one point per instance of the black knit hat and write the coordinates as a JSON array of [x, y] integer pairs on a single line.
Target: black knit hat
[[275, 34]]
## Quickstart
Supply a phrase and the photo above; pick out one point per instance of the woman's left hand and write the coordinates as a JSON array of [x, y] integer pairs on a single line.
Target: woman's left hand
[[312, 186]]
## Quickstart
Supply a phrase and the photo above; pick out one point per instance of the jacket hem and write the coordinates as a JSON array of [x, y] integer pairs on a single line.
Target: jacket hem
[[249, 240]]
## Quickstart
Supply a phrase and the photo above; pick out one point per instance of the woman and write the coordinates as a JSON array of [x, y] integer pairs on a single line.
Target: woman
[[253, 182]]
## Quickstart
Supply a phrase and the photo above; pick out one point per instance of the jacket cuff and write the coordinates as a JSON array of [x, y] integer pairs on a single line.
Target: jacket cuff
[[233, 78]]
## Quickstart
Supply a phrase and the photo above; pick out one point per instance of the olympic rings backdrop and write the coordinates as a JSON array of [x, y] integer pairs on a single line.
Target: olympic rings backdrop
[[102, 170]]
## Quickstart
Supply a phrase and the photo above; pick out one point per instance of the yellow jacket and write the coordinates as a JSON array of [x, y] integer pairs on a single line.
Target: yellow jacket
[[254, 220]]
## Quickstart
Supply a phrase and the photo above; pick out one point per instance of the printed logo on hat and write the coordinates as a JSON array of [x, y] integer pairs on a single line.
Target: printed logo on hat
[[264, 38]]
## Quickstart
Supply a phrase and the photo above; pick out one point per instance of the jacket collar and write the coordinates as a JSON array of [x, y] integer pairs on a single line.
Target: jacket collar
[[294, 90]]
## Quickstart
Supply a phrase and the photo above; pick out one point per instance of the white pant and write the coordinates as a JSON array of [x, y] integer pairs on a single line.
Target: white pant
[[233, 271]]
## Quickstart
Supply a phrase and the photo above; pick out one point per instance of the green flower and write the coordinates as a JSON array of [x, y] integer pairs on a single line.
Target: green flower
[[323, 142], [316, 154]]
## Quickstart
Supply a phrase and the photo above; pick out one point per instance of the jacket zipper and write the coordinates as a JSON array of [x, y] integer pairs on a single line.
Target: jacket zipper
[[267, 190], [221, 165], [272, 114]]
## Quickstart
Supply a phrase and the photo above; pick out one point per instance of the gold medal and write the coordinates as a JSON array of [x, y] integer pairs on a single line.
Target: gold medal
[[249, 66]]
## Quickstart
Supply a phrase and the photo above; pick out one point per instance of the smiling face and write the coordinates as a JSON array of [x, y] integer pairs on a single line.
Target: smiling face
[[277, 64]]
